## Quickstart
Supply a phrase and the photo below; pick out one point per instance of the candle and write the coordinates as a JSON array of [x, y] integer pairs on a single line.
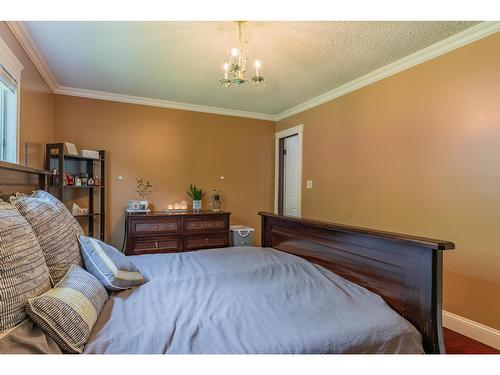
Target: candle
[[257, 66], [234, 55], [226, 67]]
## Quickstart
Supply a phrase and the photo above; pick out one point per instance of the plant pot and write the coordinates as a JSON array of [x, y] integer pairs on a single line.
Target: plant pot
[[143, 205], [196, 205]]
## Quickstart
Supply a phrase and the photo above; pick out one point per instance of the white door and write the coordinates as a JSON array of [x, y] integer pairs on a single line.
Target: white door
[[291, 178]]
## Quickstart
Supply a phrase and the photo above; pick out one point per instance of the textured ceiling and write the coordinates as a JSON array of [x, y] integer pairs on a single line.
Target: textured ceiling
[[182, 61]]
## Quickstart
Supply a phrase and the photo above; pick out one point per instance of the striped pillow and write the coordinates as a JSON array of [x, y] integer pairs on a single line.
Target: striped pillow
[[55, 228], [41, 194], [23, 271], [109, 265], [68, 312]]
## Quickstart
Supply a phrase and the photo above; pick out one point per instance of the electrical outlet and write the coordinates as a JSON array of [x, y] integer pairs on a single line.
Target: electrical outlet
[[309, 184]]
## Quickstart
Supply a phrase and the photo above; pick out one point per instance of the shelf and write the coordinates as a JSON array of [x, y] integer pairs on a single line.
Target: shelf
[[57, 159], [75, 157], [87, 215], [81, 187]]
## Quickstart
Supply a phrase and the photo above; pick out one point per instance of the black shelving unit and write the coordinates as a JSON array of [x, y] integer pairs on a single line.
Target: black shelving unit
[[56, 158]]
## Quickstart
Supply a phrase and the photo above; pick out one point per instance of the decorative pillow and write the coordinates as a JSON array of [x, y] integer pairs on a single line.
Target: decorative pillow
[[113, 269], [41, 194], [68, 311], [23, 271], [55, 228]]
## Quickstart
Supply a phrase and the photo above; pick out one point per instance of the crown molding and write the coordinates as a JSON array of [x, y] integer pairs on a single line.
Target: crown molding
[[101, 95], [24, 38], [461, 39]]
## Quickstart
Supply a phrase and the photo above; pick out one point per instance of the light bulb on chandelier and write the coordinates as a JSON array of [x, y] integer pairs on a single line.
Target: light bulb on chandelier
[[234, 71]]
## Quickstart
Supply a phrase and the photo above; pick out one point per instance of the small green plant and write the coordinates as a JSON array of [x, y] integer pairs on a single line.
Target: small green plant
[[143, 188], [195, 193]]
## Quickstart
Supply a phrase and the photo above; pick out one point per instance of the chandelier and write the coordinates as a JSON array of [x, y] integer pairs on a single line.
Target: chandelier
[[235, 69]]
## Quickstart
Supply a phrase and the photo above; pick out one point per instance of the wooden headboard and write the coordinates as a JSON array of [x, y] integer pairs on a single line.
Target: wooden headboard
[[15, 178], [406, 271]]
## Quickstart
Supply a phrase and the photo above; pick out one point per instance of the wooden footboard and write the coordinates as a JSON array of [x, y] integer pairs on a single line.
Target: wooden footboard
[[404, 270]]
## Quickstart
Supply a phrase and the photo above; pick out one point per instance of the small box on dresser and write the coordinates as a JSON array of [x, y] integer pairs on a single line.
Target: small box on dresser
[[165, 232]]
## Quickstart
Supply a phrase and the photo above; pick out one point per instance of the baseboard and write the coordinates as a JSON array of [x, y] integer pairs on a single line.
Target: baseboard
[[477, 331]]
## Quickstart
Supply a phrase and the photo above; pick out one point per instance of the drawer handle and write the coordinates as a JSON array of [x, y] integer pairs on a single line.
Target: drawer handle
[[156, 244], [206, 241]]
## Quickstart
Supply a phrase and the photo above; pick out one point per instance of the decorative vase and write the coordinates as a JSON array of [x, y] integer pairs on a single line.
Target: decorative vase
[[143, 205], [197, 205]]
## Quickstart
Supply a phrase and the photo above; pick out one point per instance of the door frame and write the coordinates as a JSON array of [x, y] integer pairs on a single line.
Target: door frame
[[299, 131]]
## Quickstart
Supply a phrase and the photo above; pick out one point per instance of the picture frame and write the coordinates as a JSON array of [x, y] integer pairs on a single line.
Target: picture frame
[[70, 148]]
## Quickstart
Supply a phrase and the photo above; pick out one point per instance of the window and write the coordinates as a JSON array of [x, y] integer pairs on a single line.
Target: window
[[8, 117], [10, 75]]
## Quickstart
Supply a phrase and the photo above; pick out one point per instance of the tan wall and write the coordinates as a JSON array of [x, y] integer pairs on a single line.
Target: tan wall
[[172, 149], [37, 105], [419, 153]]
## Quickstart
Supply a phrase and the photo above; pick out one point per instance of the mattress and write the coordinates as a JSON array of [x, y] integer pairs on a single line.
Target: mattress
[[247, 300]]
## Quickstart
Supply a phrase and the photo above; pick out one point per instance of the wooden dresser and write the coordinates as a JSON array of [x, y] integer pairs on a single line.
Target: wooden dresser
[[162, 232]]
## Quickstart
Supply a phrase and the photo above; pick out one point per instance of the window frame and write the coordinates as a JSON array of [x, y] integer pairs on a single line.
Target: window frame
[[14, 67]]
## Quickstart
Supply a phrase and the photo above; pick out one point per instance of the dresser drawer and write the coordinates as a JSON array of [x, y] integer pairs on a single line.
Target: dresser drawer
[[167, 232], [205, 223], [156, 245], [208, 241], [154, 227]]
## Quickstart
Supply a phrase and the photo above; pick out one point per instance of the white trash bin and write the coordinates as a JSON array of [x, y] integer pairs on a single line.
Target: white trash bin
[[241, 235]]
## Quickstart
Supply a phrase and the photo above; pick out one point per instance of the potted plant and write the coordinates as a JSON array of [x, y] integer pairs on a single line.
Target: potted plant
[[143, 189], [196, 195]]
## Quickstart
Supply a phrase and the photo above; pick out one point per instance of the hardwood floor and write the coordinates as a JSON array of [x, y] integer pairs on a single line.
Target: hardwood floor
[[456, 343]]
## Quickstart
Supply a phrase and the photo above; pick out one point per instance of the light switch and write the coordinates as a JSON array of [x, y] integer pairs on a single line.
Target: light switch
[[309, 184]]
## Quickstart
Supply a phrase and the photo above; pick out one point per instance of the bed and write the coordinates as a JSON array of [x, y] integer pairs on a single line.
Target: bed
[[246, 300], [313, 287]]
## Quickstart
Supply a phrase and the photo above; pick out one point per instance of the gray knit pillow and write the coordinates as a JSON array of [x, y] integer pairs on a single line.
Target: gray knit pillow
[[23, 271], [41, 194], [55, 228], [68, 311]]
